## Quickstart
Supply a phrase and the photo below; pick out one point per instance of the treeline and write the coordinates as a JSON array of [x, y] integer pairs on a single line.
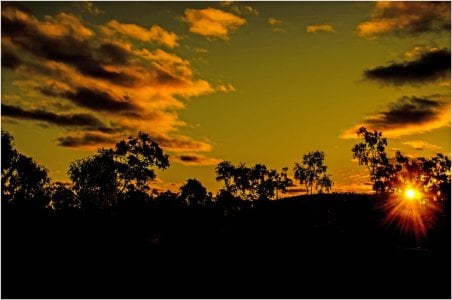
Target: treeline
[[431, 176], [122, 177]]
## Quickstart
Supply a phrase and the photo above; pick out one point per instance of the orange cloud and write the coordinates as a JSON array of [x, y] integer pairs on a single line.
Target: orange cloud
[[154, 34], [213, 23], [112, 83], [421, 145], [226, 88], [320, 27], [274, 22], [417, 51], [406, 17]]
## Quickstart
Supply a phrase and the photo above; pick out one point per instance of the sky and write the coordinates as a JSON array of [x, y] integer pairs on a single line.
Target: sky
[[251, 82]]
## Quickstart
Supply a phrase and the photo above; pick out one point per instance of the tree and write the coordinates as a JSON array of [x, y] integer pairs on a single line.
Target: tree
[[431, 175], [112, 175], [326, 183], [62, 198], [312, 172], [253, 183], [225, 172], [371, 153], [193, 193], [24, 183]]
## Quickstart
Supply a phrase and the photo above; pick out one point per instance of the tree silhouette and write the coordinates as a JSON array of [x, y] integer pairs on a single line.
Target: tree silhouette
[[312, 172], [326, 183], [62, 198], [432, 176], [371, 153], [255, 183], [193, 193], [169, 200], [112, 175], [25, 184], [225, 172]]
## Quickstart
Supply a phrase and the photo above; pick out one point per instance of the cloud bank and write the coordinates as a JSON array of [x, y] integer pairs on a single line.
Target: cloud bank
[[429, 67], [407, 18], [408, 115], [95, 83]]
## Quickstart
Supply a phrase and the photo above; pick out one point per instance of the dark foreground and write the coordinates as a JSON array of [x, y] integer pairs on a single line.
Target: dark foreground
[[331, 246]]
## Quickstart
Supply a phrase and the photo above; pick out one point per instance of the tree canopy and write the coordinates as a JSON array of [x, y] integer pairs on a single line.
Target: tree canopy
[[24, 182], [104, 179], [312, 172]]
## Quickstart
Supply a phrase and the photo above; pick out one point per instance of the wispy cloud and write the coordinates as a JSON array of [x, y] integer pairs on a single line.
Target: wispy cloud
[[407, 116], [193, 159], [212, 22], [154, 34], [276, 24], [226, 88], [82, 120], [274, 21], [421, 145], [89, 7], [320, 28], [406, 18]]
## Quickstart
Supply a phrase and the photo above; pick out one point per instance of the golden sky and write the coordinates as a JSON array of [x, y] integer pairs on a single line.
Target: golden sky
[[252, 82]]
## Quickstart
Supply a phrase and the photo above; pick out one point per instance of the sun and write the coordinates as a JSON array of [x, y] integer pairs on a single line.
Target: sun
[[411, 194]]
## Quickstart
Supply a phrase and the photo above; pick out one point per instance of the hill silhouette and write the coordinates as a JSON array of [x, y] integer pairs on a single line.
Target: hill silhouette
[[323, 246]]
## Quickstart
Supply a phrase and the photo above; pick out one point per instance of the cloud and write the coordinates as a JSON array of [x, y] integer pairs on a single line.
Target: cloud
[[154, 34], [406, 18], [71, 70], [212, 23], [9, 59], [421, 145], [196, 160], [274, 22], [417, 51], [430, 66], [89, 7], [320, 27], [90, 141], [249, 10], [179, 143], [98, 100], [226, 3], [239, 8], [226, 88], [68, 120], [409, 115]]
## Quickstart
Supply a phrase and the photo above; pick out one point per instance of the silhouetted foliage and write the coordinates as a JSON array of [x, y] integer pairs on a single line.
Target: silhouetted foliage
[[372, 154], [112, 175], [169, 200], [194, 193], [225, 172], [228, 203], [62, 198], [25, 184], [312, 172], [432, 176], [255, 183]]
